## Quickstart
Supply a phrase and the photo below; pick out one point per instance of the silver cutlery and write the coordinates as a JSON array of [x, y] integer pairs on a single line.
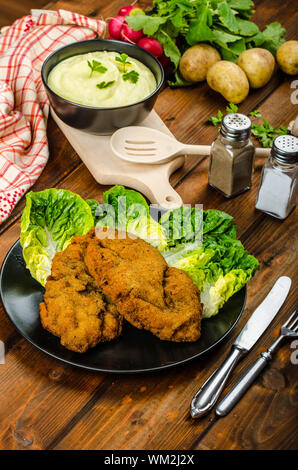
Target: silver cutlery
[[208, 394], [288, 330]]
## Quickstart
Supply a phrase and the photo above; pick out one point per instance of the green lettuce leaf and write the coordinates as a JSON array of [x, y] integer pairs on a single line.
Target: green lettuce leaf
[[49, 221], [128, 210], [149, 230], [219, 266], [126, 203], [219, 271], [182, 225]]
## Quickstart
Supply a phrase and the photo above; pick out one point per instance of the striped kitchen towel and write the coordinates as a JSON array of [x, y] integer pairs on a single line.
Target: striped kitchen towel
[[24, 106]]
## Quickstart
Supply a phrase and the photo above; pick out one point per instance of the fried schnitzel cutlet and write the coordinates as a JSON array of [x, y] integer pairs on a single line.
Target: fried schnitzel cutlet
[[146, 291], [74, 307]]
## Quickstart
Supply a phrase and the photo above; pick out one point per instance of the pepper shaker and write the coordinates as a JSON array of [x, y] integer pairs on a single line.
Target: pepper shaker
[[278, 186], [232, 156]]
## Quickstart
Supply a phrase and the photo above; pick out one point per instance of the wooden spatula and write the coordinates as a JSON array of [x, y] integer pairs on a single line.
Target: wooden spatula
[[138, 144]]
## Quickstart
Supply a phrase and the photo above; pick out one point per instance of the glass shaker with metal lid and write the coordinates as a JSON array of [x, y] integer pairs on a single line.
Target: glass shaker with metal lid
[[278, 187], [232, 156]]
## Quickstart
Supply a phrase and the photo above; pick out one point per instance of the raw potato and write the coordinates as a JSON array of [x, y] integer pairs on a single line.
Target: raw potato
[[287, 57], [258, 64], [196, 61], [229, 80]]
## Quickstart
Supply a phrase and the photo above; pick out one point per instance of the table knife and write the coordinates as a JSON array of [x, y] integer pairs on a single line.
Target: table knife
[[208, 394]]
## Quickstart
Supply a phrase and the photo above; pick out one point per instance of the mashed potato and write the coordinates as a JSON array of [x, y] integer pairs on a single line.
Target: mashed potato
[[71, 79]]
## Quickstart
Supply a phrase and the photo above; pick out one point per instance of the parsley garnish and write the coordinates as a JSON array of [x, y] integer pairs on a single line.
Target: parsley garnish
[[102, 85], [132, 76], [216, 120], [265, 133], [96, 66], [123, 60]]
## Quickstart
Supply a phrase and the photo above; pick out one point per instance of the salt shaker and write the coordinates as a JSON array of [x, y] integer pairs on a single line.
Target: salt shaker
[[232, 156], [278, 187]]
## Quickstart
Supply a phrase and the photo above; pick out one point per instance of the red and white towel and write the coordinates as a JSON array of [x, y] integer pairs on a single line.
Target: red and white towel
[[24, 105]]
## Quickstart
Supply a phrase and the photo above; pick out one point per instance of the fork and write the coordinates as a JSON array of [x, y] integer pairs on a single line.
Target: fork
[[288, 330]]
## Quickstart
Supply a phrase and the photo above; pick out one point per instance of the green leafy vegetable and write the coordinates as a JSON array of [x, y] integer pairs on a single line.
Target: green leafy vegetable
[[131, 213], [199, 30], [225, 24], [96, 66], [149, 25], [220, 266], [126, 203], [182, 225], [273, 37], [49, 221], [149, 230], [132, 76]]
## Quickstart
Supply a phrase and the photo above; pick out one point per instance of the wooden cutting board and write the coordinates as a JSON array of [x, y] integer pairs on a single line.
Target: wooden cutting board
[[108, 169]]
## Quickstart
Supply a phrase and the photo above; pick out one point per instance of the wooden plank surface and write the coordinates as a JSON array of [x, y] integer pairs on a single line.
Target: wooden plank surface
[[46, 404]]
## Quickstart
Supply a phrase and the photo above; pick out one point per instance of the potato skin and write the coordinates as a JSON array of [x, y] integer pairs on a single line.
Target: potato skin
[[196, 61], [229, 80], [258, 65], [287, 57]]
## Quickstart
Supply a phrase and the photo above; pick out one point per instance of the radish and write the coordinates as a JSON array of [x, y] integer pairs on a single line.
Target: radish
[[127, 11], [164, 60], [115, 27], [129, 35], [151, 45]]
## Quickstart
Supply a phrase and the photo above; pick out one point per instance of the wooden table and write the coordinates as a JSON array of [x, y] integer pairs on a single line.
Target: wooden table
[[46, 404]]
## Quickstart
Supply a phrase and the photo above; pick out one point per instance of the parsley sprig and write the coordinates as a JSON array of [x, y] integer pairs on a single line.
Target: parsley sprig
[[265, 133], [123, 61], [102, 85], [132, 76], [96, 66]]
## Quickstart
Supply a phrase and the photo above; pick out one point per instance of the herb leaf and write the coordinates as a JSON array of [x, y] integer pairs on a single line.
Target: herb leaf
[[102, 85], [132, 76], [256, 113], [123, 59], [265, 133], [231, 108], [96, 66], [216, 120]]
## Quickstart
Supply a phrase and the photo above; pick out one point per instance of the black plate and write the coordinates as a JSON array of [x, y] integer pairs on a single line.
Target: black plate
[[135, 351]]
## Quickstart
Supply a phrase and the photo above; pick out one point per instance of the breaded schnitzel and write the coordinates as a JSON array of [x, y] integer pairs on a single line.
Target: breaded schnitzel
[[74, 306], [146, 291]]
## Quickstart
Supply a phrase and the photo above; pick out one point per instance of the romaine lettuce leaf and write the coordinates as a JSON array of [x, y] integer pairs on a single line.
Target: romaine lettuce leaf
[[128, 210], [49, 221], [219, 270]]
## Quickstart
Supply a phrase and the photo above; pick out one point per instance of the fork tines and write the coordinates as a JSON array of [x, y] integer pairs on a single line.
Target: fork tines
[[294, 325]]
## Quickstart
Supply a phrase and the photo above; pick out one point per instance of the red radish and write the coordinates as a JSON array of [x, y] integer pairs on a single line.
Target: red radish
[[126, 11], [151, 45], [115, 27], [129, 35], [164, 60]]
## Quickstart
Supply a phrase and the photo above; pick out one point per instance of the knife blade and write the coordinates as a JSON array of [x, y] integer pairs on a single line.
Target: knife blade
[[264, 314], [208, 394]]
